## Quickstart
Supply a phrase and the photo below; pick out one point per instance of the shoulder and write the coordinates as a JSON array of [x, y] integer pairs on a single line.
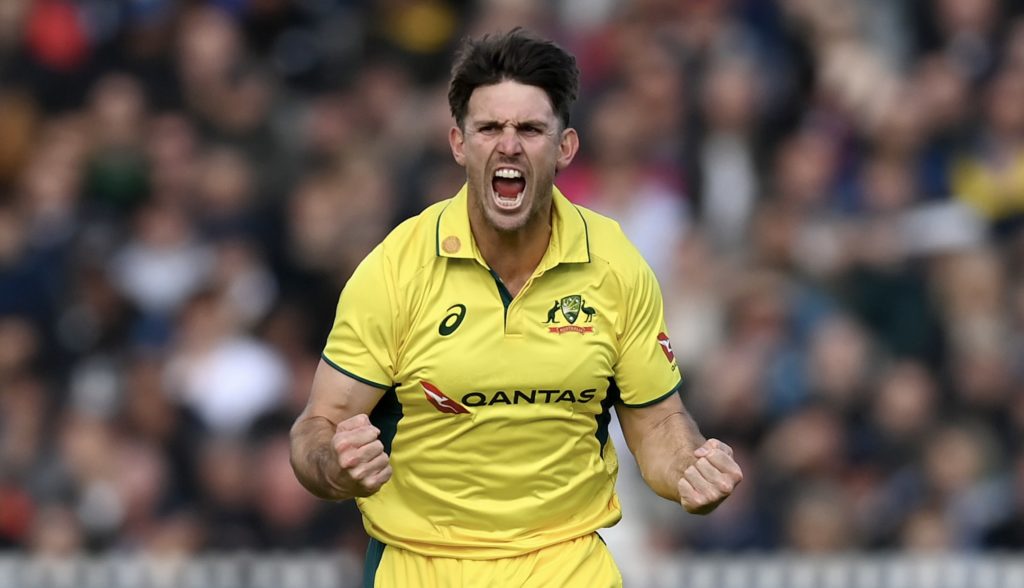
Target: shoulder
[[413, 243], [609, 245]]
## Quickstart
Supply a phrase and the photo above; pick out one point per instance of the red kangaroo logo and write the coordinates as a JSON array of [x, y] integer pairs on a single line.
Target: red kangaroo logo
[[440, 401], [666, 346]]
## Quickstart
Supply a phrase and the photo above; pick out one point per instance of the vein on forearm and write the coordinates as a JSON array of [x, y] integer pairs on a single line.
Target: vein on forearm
[[315, 456], [667, 450], [322, 458]]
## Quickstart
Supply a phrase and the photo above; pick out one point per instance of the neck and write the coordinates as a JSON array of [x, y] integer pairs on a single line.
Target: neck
[[514, 255]]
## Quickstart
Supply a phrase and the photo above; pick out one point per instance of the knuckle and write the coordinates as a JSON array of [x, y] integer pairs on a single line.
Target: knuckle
[[360, 474], [378, 480], [366, 470]]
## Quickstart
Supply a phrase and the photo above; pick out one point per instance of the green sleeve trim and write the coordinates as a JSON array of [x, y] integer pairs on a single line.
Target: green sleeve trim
[[328, 361], [675, 389]]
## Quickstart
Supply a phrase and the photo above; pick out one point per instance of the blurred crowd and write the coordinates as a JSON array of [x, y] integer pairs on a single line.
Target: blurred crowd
[[829, 191]]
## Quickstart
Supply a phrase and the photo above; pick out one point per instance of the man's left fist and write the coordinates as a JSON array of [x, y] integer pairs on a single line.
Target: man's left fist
[[710, 479]]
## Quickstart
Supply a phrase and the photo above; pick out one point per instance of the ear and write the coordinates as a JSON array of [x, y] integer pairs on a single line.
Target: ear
[[457, 140], [567, 148]]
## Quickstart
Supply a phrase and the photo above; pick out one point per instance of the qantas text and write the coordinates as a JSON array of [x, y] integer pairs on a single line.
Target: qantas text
[[527, 397]]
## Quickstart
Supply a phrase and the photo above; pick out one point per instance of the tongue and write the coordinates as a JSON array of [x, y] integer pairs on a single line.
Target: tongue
[[507, 188]]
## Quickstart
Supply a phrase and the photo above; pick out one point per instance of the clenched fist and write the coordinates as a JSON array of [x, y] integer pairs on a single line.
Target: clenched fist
[[364, 465], [709, 480]]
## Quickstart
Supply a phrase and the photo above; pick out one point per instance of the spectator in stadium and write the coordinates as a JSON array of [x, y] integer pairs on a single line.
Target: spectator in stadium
[[464, 463]]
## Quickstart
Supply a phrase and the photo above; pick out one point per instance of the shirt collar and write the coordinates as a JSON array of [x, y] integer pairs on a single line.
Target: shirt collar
[[570, 239]]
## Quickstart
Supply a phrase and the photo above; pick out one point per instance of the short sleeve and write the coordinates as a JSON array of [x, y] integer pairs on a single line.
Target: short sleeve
[[362, 342], [646, 371]]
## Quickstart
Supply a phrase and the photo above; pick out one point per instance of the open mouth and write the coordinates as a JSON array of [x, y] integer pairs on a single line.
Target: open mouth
[[508, 186]]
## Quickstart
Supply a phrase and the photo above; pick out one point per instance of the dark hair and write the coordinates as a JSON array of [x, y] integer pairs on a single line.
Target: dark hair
[[517, 56]]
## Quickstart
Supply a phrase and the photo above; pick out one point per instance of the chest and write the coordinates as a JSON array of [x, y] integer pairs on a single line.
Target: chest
[[551, 349]]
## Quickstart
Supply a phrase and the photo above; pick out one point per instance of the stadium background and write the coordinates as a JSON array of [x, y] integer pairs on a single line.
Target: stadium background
[[829, 192]]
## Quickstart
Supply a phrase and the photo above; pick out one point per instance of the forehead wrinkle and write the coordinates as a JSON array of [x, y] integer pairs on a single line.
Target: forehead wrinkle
[[515, 121], [513, 102]]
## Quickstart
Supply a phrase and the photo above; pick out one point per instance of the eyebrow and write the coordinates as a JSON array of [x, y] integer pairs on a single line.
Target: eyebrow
[[525, 123]]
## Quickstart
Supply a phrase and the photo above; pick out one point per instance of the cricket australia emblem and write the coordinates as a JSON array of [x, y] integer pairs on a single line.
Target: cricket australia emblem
[[570, 308]]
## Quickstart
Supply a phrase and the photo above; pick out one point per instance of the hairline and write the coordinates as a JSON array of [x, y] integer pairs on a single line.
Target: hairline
[[560, 124]]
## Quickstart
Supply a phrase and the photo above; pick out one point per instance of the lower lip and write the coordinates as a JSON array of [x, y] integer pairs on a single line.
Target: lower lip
[[508, 204]]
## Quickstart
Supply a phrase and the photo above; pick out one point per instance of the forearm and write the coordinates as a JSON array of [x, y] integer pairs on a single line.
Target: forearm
[[676, 461], [314, 460], [665, 450]]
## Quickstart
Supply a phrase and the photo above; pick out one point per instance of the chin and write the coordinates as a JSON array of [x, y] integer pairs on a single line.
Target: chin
[[506, 224]]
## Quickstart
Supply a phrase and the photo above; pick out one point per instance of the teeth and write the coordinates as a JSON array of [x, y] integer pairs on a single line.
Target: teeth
[[507, 173], [508, 203]]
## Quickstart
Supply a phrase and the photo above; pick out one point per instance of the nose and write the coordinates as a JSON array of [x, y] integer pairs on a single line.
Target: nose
[[508, 142]]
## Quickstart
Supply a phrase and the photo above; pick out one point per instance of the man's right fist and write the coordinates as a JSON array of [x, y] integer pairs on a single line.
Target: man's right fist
[[364, 465]]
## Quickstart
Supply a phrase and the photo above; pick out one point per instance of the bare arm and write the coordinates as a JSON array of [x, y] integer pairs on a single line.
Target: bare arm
[[675, 459], [335, 452]]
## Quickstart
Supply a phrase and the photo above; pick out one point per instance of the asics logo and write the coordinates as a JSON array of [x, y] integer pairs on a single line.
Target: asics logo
[[452, 320]]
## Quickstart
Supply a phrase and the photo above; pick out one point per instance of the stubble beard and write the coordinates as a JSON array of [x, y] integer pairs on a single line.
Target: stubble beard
[[537, 197]]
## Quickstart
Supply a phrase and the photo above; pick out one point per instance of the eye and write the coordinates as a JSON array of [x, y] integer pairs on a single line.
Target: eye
[[530, 131], [489, 129]]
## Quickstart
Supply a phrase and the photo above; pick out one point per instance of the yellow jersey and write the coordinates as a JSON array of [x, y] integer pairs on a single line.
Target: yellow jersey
[[496, 408]]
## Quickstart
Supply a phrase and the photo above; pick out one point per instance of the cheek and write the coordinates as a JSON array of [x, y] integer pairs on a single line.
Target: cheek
[[477, 155], [547, 164]]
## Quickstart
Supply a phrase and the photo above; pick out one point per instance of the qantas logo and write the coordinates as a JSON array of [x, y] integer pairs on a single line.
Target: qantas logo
[[440, 401], [666, 346], [443, 403], [535, 396]]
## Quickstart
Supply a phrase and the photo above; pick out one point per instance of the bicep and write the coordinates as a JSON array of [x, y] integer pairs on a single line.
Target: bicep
[[336, 396]]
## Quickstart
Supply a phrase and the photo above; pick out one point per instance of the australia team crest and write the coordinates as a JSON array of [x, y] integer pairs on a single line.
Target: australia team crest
[[570, 308]]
